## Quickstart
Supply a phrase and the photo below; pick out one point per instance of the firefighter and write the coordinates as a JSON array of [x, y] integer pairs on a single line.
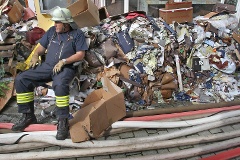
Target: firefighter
[[63, 46]]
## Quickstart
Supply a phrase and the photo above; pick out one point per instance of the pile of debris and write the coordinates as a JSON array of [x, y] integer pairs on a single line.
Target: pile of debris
[[151, 61], [17, 25], [154, 62]]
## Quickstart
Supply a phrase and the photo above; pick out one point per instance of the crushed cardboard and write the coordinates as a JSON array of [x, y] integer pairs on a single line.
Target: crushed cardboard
[[100, 109]]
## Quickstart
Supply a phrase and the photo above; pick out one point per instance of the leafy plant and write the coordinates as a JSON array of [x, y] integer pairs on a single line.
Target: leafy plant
[[232, 2], [3, 88], [3, 84], [2, 72]]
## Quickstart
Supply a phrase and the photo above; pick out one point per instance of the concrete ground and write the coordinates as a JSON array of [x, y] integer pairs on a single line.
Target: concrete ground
[[9, 114]]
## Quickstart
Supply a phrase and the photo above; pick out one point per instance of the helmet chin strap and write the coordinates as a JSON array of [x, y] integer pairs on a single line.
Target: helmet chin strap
[[64, 29]]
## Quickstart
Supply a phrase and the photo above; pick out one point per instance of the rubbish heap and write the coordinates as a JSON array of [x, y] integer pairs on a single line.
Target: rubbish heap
[[155, 63], [151, 61], [17, 27]]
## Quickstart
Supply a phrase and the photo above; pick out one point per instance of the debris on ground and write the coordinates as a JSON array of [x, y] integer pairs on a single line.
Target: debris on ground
[[153, 62]]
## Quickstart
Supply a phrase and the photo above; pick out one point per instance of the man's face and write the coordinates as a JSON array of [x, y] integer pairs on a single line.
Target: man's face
[[59, 27]]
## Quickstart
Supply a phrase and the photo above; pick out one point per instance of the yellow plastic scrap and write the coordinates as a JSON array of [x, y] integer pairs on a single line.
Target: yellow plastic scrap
[[21, 66]]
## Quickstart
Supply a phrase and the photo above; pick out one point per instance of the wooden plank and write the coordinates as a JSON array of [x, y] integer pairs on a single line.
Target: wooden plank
[[7, 47], [6, 67], [6, 54], [8, 41], [10, 61], [10, 69], [4, 100]]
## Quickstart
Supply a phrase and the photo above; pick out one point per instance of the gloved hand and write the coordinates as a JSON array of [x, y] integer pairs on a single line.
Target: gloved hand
[[34, 61], [57, 68]]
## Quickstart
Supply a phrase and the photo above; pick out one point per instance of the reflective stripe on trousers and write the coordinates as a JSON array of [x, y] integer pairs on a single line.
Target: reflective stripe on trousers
[[25, 97]]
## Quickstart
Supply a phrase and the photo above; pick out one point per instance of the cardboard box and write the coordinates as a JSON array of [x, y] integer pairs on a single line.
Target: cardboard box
[[179, 15], [85, 13], [100, 109], [15, 14], [236, 37], [177, 5]]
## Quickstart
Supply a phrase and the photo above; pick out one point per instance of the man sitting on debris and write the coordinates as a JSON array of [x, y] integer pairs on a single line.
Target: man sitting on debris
[[64, 46]]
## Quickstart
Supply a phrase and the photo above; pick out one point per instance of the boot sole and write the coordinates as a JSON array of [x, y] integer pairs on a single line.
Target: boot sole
[[22, 128]]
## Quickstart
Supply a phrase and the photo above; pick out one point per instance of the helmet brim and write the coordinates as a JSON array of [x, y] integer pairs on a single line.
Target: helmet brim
[[63, 21]]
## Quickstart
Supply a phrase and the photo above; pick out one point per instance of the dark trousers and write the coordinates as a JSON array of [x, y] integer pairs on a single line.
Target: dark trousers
[[26, 82]]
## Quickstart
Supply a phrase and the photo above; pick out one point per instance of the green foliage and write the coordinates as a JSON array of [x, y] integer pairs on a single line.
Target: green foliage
[[3, 88], [3, 84], [2, 72], [232, 2]]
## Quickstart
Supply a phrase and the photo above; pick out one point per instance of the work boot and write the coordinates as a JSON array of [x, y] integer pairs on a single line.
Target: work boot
[[62, 129], [25, 121]]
